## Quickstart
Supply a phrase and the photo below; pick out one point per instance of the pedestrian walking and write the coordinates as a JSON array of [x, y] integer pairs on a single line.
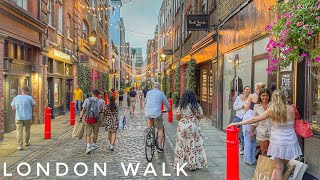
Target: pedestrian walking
[[284, 144], [263, 128], [128, 98], [91, 108], [78, 98], [133, 96], [240, 106], [111, 120], [121, 92], [23, 104], [189, 143], [250, 143], [144, 93]]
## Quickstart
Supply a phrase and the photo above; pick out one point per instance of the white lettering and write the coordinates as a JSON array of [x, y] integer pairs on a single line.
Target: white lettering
[[181, 169], [58, 169], [96, 166], [28, 171], [85, 169], [148, 171], [130, 168], [5, 170], [164, 170], [39, 166]]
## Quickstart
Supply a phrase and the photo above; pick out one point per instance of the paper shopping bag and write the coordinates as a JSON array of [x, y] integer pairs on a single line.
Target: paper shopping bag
[[264, 168], [299, 169], [78, 130]]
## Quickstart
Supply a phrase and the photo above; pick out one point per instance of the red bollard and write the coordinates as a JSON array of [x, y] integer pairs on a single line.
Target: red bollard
[[106, 98], [170, 111], [232, 153], [47, 123], [162, 107], [72, 113]]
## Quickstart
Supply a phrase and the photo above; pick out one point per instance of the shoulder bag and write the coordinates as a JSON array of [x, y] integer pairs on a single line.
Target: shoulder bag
[[301, 127]]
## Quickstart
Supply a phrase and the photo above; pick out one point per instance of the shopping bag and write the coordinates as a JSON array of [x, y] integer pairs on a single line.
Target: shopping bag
[[101, 119], [301, 127], [264, 168], [299, 169], [288, 172], [78, 130]]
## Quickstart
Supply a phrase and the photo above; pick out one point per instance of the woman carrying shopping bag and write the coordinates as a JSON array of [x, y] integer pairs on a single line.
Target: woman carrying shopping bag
[[284, 144]]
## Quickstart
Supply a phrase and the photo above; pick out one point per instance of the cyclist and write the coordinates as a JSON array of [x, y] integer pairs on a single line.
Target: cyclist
[[154, 100]]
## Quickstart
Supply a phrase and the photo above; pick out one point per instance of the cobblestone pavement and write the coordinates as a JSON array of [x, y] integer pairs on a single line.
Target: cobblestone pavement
[[129, 149]]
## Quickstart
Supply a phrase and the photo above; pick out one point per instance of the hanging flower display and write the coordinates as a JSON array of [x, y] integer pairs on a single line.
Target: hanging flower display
[[296, 24]]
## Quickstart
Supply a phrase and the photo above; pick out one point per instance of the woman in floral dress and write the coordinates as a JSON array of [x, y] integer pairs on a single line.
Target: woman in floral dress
[[111, 120], [189, 143]]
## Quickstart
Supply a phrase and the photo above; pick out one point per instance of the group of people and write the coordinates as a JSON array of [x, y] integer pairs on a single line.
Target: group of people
[[266, 118]]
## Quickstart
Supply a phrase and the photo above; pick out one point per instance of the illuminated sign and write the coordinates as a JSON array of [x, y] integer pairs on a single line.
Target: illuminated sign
[[61, 55]]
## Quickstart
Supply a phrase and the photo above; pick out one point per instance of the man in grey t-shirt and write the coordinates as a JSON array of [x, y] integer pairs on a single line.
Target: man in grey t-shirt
[[95, 126]]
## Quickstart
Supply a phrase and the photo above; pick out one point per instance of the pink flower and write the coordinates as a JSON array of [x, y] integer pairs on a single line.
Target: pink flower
[[285, 32], [288, 23], [304, 27], [299, 6], [299, 23], [310, 32], [267, 28], [303, 54], [279, 16], [287, 15], [317, 17], [318, 6], [317, 59]]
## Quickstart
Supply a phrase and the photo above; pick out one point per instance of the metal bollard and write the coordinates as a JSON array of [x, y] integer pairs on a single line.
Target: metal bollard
[[47, 123], [72, 113], [170, 111], [232, 153]]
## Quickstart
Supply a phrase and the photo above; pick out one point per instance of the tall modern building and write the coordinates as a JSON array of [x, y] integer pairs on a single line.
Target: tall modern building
[[139, 59]]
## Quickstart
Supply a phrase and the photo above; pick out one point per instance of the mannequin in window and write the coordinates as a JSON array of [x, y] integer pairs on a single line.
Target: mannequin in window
[[236, 87]]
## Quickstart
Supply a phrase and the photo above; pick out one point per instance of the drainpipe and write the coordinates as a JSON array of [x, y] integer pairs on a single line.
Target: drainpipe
[[39, 10]]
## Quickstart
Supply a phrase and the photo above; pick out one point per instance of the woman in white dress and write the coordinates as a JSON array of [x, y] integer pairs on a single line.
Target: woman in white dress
[[284, 144]]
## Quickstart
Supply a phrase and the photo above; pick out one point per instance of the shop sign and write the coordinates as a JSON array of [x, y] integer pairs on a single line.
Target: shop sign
[[61, 55], [286, 85], [198, 22], [84, 58]]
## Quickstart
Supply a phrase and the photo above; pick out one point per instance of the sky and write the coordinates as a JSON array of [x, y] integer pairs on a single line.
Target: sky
[[140, 16]]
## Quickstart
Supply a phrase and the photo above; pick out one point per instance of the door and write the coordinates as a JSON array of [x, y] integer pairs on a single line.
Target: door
[[69, 92], [206, 83]]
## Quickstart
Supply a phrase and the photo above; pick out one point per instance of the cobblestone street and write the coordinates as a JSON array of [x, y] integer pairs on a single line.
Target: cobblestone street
[[129, 149]]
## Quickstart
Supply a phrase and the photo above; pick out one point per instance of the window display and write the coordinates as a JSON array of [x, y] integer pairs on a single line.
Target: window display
[[315, 85]]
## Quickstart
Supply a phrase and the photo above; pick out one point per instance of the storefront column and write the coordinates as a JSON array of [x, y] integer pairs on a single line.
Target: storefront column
[[1, 87]]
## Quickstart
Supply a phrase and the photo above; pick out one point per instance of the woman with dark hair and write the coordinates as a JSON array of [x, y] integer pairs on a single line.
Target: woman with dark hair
[[111, 120], [189, 143], [263, 128], [133, 96]]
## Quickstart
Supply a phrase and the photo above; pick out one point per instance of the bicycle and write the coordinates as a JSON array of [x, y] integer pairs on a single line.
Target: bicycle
[[151, 141]]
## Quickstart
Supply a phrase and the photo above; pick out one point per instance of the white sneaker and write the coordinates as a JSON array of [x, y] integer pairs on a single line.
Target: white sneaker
[[88, 150], [19, 147], [94, 147], [111, 148]]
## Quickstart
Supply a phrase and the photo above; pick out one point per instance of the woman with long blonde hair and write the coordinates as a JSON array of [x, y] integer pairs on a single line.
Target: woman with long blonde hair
[[284, 144]]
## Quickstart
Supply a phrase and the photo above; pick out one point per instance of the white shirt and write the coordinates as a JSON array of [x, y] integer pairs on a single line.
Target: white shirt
[[238, 107]]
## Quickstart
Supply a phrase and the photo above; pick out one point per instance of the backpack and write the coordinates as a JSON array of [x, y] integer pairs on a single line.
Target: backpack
[[93, 112]]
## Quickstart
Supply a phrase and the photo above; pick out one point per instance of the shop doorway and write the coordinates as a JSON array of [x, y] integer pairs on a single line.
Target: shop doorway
[[13, 86], [206, 88], [69, 92]]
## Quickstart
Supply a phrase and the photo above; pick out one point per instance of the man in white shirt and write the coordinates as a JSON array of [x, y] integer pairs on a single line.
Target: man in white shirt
[[154, 100]]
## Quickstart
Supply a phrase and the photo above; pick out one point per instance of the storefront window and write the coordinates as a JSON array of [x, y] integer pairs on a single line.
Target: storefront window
[[57, 92], [260, 74], [236, 75], [315, 85]]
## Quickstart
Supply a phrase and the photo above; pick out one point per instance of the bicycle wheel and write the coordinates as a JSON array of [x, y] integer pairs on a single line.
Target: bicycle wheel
[[149, 144]]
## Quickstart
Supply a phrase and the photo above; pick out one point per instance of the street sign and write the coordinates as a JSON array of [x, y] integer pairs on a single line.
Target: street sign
[[84, 58], [199, 22], [168, 52]]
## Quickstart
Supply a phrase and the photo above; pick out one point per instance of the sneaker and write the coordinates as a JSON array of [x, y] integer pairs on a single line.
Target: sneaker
[[111, 148], [95, 146], [241, 152], [160, 150], [28, 144], [88, 150], [19, 147]]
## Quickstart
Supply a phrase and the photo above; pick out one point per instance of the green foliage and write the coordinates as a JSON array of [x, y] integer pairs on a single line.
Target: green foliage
[[169, 85], [84, 78], [190, 75], [176, 94], [297, 24], [105, 82], [164, 84]]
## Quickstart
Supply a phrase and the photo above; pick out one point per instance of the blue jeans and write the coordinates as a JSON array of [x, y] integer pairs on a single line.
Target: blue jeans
[[78, 107], [250, 145], [241, 138]]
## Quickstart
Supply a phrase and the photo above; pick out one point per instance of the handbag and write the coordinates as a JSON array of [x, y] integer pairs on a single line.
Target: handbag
[[78, 130], [299, 169], [264, 168], [301, 127]]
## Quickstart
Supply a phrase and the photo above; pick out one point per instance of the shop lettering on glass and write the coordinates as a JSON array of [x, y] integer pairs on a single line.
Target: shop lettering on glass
[[286, 86], [198, 22]]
